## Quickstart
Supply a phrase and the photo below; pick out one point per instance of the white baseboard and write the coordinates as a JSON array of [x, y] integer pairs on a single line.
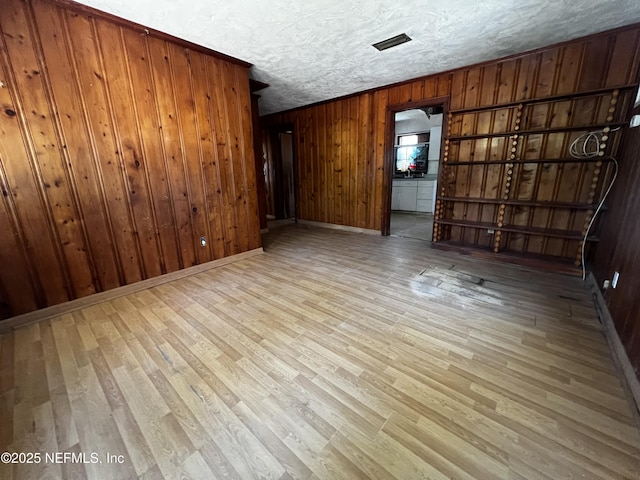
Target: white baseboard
[[615, 344], [62, 308], [335, 226]]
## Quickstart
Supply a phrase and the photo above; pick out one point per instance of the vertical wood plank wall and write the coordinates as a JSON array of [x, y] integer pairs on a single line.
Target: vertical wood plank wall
[[118, 151], [340, 144], [619, 248]]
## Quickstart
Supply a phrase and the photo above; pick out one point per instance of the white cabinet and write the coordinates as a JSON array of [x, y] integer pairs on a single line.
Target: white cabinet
[[424, 197], [407, 197], [395, 198], [412, 195]]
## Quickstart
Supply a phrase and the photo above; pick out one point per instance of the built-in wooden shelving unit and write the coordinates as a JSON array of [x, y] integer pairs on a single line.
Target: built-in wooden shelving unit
[[508, 182]]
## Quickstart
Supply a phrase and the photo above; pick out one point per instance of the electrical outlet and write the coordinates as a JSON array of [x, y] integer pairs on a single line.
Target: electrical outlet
[[606, 284], [203, 241], [614, 280]]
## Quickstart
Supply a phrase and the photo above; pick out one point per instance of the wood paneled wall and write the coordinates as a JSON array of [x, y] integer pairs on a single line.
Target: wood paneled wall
[[118, 151], [339, 151], [619, 247], [341, 144]]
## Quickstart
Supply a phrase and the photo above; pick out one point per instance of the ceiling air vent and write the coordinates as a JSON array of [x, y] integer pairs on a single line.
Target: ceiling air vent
[[392, 42]]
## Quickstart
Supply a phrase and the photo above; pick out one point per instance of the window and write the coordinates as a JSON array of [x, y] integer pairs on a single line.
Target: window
[[407, 139], [412, 152]]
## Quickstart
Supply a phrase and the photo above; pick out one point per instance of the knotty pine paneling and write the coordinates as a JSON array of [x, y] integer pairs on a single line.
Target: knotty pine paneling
[[341, 144], [619, 250], [118, 151], [337, 146]]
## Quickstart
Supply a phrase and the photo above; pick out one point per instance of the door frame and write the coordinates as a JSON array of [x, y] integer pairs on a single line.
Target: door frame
[[389, 143]]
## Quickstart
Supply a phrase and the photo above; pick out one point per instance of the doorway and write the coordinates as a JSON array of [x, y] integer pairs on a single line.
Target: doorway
[[287, 194], [280, 177], [415, 155]]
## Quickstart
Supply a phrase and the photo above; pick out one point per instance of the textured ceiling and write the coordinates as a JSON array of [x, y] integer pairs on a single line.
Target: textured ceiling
[[315, 50]]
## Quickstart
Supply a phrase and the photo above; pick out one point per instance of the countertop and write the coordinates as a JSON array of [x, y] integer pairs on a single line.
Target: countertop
[[426, 178]]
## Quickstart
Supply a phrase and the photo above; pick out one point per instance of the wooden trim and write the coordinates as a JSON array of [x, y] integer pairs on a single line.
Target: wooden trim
[[63, 308], [256, 85], [334, 226], [591, 37], [619, 354], [86, 10]]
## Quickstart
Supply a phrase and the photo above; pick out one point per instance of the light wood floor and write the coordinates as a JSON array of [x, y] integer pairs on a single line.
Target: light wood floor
[[333, 355]]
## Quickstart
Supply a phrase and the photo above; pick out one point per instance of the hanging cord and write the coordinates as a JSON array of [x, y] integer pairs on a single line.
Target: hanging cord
[[589, 145]]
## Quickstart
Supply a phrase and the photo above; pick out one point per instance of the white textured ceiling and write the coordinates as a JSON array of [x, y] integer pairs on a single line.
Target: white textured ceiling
[[313, 50]]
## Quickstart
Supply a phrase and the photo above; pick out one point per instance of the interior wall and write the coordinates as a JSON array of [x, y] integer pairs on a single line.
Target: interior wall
[[341, 144], [619, 249], [118, 151], [413, 125]]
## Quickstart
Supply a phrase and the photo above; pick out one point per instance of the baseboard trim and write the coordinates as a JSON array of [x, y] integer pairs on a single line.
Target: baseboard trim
[[335, 226], [70, 306], [620, 356]]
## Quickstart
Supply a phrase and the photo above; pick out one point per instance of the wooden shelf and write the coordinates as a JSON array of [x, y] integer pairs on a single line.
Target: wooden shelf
[[525, 203], [546, 232], [467, 223], [507, 185], [537, 131], [517, 229], [604, 158], [551, 98]]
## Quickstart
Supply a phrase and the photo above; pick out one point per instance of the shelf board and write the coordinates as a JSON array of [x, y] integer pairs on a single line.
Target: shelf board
[[550, 98], [569, 235], [540, 160], [467, 223], [524, 203], [537, 131]]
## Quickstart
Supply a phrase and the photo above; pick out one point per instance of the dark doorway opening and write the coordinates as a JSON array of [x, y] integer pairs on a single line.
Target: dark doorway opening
[[280, 174]]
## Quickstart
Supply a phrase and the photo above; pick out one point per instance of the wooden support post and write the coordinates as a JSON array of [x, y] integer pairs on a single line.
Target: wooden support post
[[508, 172], [439, 211]]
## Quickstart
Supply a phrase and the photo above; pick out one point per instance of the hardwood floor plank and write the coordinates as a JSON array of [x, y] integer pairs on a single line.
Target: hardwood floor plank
[[290, 462], [150, 415], [137, 449], [364, 462]]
